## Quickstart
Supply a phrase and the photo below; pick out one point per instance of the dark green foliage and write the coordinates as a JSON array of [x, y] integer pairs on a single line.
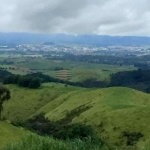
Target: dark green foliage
[[3, 74], [74, 113], [11, 79], [35, 83], [133, 137], [60, 130], [23, 81], [137, 79], [4, 95], [35, 142], [142, 65]]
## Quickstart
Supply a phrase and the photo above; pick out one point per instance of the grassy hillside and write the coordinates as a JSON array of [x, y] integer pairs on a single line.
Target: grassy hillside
[[25, 102], [9, 133], [120, 116]]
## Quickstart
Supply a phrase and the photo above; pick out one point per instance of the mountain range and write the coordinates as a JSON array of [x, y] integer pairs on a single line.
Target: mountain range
[[89, 40]]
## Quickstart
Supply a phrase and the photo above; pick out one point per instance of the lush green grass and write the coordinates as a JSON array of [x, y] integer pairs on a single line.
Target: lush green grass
[[9, 133], [26, 102], [35, 142], [111, 111]]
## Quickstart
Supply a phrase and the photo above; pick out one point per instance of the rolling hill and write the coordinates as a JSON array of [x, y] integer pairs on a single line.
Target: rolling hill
[[119, 115]]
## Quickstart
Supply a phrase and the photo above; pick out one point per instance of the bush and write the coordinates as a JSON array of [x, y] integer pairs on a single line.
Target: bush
[[133, 137], [60, 130]]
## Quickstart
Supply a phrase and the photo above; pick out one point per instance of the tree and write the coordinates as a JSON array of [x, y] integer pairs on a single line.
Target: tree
[[4, 95], [35, 83]]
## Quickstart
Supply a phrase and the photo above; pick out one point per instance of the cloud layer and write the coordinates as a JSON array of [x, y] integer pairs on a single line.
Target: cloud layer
[[107, 17]]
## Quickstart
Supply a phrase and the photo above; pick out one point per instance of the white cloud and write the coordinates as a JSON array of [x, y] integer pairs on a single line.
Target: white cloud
[[111, 17]]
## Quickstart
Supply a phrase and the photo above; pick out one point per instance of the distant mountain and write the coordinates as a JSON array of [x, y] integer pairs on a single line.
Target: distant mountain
[[97, 40]]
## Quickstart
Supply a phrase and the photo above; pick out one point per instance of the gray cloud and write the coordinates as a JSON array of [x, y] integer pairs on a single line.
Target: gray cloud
[[111, 17]]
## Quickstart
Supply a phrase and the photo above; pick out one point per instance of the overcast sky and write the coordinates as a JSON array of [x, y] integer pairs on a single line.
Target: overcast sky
[[104, 17]]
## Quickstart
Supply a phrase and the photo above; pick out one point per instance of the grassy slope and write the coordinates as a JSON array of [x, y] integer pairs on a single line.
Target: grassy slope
[[25, 102], [9, 133], [112, 110]]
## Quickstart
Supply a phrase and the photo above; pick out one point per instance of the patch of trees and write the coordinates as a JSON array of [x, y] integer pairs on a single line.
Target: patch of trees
[[4, 95], [3, 74], [23, 81], [60, 130], [137, 79], [142, 65]]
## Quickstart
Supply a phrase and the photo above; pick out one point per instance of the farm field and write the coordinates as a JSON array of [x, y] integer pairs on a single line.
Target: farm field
[[111, 112], [79, 70]]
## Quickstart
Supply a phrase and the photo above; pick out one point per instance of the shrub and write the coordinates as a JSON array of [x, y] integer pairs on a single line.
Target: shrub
[[60, 130]]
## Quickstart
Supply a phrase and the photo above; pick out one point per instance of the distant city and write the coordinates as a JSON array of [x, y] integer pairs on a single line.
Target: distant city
[[39, 50]]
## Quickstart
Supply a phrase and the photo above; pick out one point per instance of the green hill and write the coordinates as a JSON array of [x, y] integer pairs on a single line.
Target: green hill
[[119, 115], [9, 133], [25, 102]]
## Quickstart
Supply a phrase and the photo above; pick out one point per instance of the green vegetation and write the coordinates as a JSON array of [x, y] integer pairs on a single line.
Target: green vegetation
[[23, 81], [59, 129], [79, 70], [119, 116], [15, 69], [9, 133], [137, 79], [4, 96], [3, 74], [116, 114], [34, 142], [26, 102]]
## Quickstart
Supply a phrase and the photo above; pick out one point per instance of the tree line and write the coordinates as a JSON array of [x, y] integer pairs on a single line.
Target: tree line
[[23, 81], [136, 79]]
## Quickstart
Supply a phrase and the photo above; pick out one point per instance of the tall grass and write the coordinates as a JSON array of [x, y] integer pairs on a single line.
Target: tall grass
[[35, 142]]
